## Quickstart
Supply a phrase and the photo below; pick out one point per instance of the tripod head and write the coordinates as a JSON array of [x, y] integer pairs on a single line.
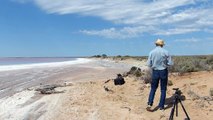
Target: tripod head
[[177, 91]]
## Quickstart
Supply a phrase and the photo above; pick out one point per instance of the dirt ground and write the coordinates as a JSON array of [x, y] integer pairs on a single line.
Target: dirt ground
[[98, 100]]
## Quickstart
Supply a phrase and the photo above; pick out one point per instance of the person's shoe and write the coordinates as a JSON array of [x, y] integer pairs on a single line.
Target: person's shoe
[[161, 108], [148, 108]]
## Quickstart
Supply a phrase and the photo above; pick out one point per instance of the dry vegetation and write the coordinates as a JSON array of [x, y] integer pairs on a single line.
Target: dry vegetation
[[186, 64], [182, 64]]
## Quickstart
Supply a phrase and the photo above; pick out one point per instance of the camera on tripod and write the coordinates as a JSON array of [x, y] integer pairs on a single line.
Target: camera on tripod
[[177, 99], [177, 91]]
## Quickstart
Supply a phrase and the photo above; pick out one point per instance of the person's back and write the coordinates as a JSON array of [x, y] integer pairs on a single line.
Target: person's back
[[159, 59]]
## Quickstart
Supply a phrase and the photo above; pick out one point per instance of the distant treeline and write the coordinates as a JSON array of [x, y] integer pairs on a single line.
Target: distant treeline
[[120, 57], [182, 64]]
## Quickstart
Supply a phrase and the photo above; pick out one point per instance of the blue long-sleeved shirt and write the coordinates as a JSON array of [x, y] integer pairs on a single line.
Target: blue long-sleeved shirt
[[159, 59]]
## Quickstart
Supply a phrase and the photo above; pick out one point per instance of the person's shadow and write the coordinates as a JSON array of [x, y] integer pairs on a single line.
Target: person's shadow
[[169, 102]]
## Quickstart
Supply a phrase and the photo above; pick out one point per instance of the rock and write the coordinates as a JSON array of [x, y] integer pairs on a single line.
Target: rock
[[106, 88], [49, 89], [29, 89], [170, 83], [46, 91], [148, 85], [92, 82], [46, 87], [193, 83], [211, 92], [68, 84]]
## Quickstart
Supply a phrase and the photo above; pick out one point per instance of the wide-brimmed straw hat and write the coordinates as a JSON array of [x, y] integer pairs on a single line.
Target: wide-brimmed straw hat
[[159, 42]]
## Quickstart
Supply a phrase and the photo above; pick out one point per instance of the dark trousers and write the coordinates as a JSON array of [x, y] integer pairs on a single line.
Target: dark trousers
[[162, 76]]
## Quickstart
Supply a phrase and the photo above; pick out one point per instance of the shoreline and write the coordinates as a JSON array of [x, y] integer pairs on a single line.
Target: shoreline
[[18, 80], [43, 64]]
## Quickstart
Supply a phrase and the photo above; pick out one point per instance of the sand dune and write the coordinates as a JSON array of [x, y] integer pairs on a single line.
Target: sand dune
[[89, 100]]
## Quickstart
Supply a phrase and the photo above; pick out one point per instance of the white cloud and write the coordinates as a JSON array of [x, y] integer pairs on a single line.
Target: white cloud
[[123, 33], [190, 40], [109, 33], [117, 11], [167, 17], [130, 32], [176, 31]]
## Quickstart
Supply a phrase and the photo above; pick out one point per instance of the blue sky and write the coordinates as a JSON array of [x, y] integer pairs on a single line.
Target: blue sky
[[41, 28]]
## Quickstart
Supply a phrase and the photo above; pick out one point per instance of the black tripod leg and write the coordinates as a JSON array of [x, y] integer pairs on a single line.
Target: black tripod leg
[[176, 107], [184, 109], [172, 114], [172, 111]]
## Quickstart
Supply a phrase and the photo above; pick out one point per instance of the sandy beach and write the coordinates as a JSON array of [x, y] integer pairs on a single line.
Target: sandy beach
[[17, 86], [85, 96]]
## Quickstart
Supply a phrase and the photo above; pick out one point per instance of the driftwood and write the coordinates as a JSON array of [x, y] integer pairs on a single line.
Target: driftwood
[[129, 109], [108, 90], [49, 89], [107, 81]]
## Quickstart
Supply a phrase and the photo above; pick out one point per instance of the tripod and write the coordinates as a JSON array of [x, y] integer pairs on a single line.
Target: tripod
[[177, 99]]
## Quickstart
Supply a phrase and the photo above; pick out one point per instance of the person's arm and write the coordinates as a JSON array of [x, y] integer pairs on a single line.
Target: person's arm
[[169, 59], [149, 61]]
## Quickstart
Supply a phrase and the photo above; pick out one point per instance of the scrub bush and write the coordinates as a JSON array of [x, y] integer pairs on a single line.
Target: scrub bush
[[186, 64]]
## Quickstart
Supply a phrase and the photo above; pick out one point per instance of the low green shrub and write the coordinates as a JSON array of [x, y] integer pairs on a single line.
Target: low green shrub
[[135, 71], [138, 73]]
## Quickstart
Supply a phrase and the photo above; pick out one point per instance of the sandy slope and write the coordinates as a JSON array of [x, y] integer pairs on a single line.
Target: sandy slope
[[90, 101]]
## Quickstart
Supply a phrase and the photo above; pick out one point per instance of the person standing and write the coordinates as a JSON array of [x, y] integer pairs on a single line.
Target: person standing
[[159, 60]]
